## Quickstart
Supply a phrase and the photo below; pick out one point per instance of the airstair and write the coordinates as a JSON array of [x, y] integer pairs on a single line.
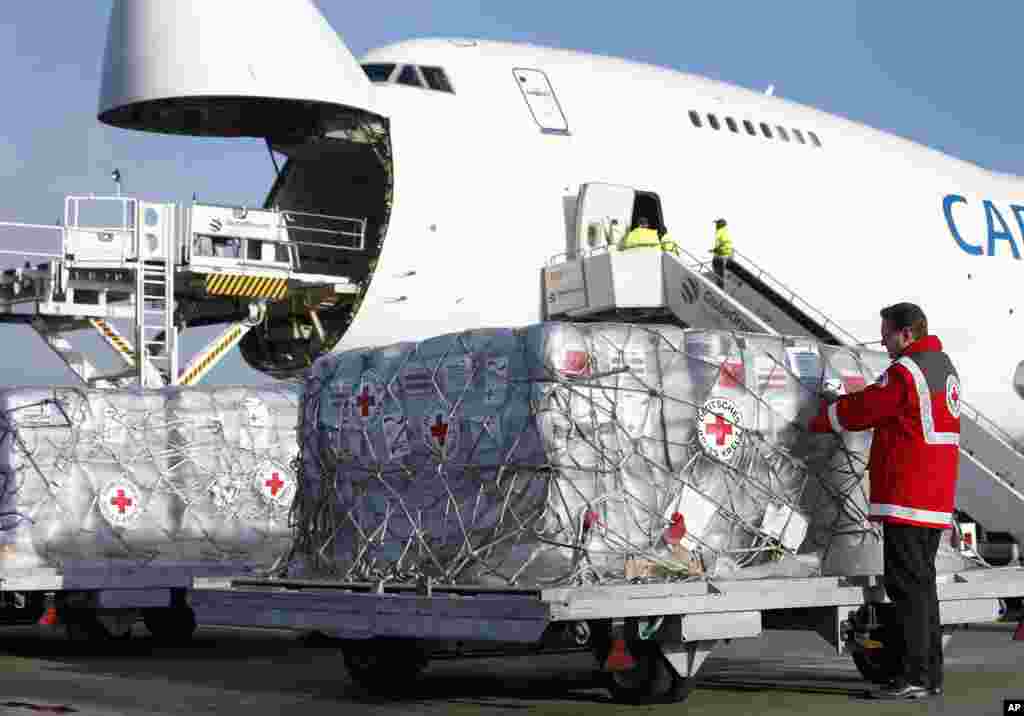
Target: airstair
[[650, 285], [158, 268]]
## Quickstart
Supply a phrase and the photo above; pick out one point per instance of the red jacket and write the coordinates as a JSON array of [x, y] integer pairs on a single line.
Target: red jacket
[[914, 409]]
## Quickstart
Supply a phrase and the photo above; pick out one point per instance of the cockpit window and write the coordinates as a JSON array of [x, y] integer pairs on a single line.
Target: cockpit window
[[436, 79], [409, 76], [379, 72]]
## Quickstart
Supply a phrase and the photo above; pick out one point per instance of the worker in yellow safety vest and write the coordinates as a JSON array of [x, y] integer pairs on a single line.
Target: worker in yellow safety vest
[[640, 235], [722, 251], [667, 243]]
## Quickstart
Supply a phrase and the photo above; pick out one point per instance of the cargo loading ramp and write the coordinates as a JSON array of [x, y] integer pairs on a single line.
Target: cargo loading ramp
[[160, 268], [648, 284]]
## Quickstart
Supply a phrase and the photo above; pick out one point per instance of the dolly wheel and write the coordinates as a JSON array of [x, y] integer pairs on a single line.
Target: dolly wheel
[[384, 666], [84, 625], [877, 665], [651, 681], [170, 624]]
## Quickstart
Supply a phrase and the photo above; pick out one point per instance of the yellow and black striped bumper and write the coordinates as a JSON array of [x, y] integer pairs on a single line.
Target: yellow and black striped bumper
[[120, 344], [196, 372], [233, 284]]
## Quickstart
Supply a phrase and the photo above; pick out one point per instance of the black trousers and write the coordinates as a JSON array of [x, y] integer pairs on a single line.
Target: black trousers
[[718, 264], [915, 632]]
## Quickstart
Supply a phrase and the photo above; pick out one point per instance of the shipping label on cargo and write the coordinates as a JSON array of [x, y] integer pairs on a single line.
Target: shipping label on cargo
[[417, 381], [633, 410], [496, 380], [257, 413], [720, 428], [441, 430], [458, 375], [120, 502], [396, 436], [772, 375], [805, 361], [574, 362], [275, 484], [115, 425], [339, 403], [633, 359]]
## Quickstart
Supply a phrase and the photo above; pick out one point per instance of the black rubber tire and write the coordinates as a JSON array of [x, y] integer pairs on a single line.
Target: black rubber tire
[[877, 665], [82, 625], [384, 666], [652, 681], [35, 607], [170, 624]]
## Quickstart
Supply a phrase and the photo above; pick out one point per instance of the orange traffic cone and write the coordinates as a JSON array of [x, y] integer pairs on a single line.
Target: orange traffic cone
[[619, 659], [1019, 634], [49, 617]]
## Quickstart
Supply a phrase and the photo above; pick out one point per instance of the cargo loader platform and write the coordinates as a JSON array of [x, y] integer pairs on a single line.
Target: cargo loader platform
[[161, 268]]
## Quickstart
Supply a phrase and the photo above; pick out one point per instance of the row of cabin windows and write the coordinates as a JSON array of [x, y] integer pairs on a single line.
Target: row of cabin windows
[[752, 130], [413, 75]]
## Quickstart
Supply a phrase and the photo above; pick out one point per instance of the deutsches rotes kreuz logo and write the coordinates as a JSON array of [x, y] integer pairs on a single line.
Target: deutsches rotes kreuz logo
[[953, 395], [720, 428], [369, 398], [120, 502], [441, 431]]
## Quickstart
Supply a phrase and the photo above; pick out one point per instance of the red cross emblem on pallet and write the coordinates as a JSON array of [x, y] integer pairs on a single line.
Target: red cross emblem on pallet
[[277, 486], [720, 427], [441, 430], [120, 502]]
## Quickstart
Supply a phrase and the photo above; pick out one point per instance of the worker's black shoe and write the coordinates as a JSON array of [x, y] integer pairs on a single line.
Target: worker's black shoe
[[935, 691], [901, 692]]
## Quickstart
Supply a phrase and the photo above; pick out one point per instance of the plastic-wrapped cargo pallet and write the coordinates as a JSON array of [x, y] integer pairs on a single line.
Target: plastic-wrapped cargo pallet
[[180, 476], [561, 453]]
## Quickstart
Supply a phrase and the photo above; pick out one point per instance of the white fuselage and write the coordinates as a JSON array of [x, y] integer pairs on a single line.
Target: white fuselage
[[480, 200]]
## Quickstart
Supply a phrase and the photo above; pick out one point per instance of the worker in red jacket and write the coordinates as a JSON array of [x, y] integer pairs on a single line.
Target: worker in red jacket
[[914, 409]]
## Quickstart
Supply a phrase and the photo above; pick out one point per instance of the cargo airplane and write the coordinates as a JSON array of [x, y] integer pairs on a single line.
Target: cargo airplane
[[467, 157]]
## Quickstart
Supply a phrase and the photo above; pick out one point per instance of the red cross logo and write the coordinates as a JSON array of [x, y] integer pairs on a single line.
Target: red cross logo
[[365, 401], [721, 429], [274, 483], [121, 502], [439, 430]]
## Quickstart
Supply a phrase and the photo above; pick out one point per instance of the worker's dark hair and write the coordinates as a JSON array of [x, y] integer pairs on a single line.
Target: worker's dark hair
[[906, 315], [719, 223]]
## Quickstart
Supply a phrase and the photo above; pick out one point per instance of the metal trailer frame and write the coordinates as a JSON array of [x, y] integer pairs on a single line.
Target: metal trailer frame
[[650, 639], [665, 631]]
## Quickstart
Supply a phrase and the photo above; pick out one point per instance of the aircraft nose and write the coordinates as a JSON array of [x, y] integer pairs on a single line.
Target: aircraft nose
[[228, 68]]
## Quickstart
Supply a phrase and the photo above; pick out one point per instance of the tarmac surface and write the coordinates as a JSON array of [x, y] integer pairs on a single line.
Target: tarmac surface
[[258, 672]]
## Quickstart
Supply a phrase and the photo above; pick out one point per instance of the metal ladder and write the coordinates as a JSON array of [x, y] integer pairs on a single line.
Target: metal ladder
[[156, 334]]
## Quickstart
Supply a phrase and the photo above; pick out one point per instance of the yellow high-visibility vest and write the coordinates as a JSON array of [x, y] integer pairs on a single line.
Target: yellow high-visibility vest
[[640, 236], [667, 244], [723, 242]]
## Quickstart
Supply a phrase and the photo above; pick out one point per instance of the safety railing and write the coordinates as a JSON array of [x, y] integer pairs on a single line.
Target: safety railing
[[316, 230], [100, 228], [986, 423], [795, 299]]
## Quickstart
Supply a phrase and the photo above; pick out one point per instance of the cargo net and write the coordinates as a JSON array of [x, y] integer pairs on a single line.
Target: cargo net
[[187, 477], [566, 454]]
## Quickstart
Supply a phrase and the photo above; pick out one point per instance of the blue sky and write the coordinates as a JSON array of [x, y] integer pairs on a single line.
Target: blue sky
[[943, 76]]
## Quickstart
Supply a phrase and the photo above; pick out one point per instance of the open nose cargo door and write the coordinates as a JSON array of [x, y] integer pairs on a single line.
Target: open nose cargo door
[[230, 68]]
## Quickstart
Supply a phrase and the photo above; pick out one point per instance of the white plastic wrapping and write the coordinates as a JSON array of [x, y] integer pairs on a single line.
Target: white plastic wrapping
[[559, 453], [176, 476]]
